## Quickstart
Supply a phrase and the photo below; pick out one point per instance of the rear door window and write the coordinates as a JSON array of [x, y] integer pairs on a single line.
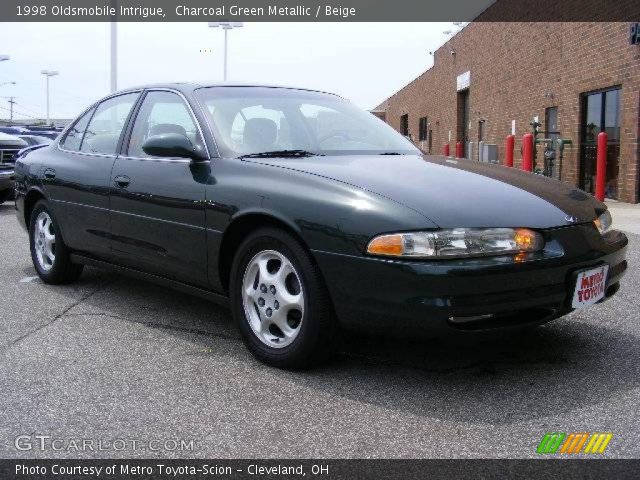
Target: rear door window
[[73, 138], [104, 130]]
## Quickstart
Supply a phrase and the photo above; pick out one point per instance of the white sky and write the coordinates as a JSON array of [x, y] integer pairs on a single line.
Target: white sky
[[365, 62]]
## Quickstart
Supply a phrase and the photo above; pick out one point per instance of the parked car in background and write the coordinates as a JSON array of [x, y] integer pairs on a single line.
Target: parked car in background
[[40, 128], [14, 130], [9, 147], [305, 213], [35, 139], [50, 134]]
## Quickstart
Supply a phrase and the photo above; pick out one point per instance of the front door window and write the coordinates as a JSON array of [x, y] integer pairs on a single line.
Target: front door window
[[162, 112]]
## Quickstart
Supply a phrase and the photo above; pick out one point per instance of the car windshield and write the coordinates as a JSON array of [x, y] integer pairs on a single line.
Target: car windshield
[[248, 121]]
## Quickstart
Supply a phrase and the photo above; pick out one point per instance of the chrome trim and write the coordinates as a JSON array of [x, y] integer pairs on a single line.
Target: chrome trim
[[140, 90], [80, 204], [63, 134], [156, 219], [8, 155], [163, 159], [88, 154]]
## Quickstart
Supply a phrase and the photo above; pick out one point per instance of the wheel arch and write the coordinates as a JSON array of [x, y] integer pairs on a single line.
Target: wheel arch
[[30, 200], [241, 226]]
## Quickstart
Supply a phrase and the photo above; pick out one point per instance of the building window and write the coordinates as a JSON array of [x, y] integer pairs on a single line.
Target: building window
[[551, 123], [422, 129], [600, 113], [404, 125]]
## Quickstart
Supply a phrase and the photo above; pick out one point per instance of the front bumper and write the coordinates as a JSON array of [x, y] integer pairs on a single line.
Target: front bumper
[[469, 294], [7, 178]]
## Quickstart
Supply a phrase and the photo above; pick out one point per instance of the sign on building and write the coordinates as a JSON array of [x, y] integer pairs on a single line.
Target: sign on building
[[463, 81]]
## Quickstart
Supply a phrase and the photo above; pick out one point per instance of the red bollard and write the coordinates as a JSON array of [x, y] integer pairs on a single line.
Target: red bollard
[[446, 149], [527, 152], [601, 165], [508, 150], [459, 153]]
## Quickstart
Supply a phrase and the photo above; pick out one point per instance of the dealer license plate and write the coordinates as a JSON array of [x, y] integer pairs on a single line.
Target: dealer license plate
[[590, 286]]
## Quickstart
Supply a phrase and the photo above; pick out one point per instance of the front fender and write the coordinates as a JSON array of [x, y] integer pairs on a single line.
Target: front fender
[[329, 215]]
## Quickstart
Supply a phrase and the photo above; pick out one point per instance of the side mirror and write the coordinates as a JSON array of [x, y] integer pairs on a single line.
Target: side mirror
[[172, 145]]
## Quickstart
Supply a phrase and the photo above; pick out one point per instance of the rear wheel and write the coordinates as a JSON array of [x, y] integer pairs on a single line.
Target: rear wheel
[[280, 302], [49, 254]]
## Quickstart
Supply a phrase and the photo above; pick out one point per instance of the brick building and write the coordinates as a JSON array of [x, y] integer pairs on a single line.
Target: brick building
[[576, 78]]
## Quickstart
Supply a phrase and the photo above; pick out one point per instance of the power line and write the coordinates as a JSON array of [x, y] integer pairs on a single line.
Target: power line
[[23, 107], [20, 113]]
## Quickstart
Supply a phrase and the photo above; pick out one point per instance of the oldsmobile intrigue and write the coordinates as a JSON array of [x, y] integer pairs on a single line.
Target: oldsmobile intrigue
[[306, 214]]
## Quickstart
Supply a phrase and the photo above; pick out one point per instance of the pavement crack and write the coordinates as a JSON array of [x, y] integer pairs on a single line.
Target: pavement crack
[[83, 298], [95, 314]]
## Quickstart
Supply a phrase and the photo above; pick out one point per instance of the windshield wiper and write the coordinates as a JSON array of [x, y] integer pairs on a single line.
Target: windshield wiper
[[282, 153]]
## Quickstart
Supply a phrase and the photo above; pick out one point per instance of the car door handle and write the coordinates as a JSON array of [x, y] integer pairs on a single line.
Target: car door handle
[[121, 181], [50, 174]]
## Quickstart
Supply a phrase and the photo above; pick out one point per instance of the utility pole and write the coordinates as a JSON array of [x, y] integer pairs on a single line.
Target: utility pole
[[10, 101]]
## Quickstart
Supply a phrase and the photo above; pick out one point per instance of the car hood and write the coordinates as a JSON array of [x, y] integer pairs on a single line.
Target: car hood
[[456, 193]]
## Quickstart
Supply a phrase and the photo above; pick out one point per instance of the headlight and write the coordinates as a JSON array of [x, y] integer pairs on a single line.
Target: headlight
[[457, 242], [603, 222]]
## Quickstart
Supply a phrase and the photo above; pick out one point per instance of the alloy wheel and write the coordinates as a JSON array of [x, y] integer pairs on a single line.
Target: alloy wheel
[[273, 298], [44, 241]]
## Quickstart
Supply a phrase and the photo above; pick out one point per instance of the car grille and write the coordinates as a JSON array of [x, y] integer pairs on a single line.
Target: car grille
[[7, 156]]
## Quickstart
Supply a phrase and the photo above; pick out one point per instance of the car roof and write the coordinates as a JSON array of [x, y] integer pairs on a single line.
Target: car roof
[[187, 87]]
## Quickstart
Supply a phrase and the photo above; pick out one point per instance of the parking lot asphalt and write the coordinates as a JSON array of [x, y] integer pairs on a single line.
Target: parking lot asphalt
[[114, 358]]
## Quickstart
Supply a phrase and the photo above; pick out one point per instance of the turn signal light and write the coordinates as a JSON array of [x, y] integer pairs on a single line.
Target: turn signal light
[[386, 245], [525, 239]]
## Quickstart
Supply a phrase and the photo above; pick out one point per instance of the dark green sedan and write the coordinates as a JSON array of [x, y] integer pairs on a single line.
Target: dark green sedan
[[307, 215]]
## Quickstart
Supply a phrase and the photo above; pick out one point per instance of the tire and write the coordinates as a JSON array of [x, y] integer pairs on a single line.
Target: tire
[[49, 254], [274, 282], [5, 195]]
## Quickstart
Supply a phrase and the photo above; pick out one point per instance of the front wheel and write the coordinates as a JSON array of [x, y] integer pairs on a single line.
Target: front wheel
[[280, 302], [49, 254]]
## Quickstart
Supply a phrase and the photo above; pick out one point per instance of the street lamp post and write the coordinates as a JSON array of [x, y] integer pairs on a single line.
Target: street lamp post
[[226, 26], [48, 73], [114, 48], [114, 56]]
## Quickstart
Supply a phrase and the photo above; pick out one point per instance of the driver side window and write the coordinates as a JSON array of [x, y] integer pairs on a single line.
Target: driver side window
[[161, 112]]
